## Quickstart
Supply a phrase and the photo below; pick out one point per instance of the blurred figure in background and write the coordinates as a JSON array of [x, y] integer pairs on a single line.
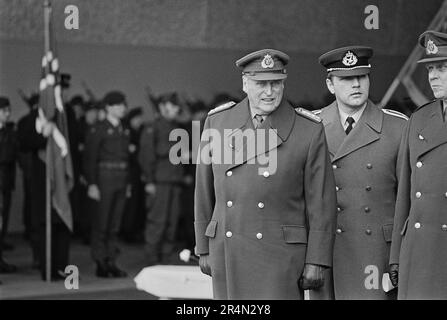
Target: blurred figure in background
[[132, 225], [106, 161], [25, 161], [163, 180], [8, 157]]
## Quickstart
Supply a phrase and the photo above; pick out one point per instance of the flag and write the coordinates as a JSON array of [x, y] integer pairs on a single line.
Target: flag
[[51, 108]]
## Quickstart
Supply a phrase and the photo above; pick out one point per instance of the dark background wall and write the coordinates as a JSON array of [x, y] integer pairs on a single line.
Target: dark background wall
[[191, 45]]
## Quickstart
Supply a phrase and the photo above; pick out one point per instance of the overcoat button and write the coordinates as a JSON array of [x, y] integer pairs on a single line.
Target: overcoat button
[[259, 236], [368, 232], [367, 209], [229, 173], [368, 188], [260, 205], [417, 225], [339, 231], [266, 174], [229, 204], [334, 166], [444, 227], [418, 194], [421, 137], [369, 166], [418, 164], [229, 234]]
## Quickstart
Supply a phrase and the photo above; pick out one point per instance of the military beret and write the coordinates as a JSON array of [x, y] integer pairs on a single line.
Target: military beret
[[4, 102], [347, 61], [114, 98], [265, 64], [435, 44]]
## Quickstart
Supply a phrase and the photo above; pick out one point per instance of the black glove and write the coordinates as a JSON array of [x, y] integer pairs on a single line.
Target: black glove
[[204, 264], [312, 277], [394, 274]]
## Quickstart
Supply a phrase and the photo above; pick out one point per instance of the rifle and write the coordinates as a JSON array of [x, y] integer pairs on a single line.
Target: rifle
[[91, 96], [30, 101]]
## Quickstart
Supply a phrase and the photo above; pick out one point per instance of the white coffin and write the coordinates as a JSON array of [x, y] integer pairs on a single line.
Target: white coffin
[[181, 282]]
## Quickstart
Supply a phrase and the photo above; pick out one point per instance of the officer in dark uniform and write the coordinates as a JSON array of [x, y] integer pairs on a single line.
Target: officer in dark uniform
[[106, 168], [419, 248], [265, 191], [163, 180], [8, 157], [34, 142], [363, 142], [132, 225]]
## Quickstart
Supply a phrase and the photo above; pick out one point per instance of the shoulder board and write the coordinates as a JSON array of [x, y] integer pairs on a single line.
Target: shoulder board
[[222, 107], [419, 108], [308, 114], [395, 113]]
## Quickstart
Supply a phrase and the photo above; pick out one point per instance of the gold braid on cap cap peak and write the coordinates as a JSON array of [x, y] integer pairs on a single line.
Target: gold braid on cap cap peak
[[352, 68]]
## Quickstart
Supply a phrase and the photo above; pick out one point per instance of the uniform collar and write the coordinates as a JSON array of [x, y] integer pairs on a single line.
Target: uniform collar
[[366, 131], [356, 115]]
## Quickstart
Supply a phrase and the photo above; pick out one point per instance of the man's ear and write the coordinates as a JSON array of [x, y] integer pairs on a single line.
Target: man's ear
[[330, 85], [244, 84]]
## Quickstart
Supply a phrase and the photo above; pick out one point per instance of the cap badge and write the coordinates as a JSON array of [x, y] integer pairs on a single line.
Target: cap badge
[[349, 59], [267, 62], [431, 47]]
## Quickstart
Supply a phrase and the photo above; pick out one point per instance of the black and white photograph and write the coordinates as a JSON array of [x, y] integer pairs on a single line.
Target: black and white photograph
[[223, 154]]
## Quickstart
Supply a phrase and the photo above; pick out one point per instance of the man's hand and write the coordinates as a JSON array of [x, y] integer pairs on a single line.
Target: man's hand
[[394, 274], [150, 188], [204, 264], [93, 192], [312, 277]]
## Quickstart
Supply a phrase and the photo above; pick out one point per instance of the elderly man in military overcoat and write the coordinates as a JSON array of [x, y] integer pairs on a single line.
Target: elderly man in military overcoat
[[265, 191], [364, 143], [419, 248]]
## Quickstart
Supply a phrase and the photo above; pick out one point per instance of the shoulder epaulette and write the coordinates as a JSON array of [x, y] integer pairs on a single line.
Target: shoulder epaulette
[[308, 114], [426, 104], [395, 113], [222, 107]]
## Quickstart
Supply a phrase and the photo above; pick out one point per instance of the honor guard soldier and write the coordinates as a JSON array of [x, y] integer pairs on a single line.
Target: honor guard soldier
[[8, 157], [264, 231], [106, 161], [163, 181], [419, 248], [363, 143]]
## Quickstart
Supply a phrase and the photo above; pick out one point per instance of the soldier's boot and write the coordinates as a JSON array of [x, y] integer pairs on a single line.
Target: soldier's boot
[[114, 270]]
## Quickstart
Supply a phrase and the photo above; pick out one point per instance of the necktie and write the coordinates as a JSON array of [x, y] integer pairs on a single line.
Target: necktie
[[351, 122], [257, 120]]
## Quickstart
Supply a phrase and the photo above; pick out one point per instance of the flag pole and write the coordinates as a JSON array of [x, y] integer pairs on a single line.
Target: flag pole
[[47, 17]]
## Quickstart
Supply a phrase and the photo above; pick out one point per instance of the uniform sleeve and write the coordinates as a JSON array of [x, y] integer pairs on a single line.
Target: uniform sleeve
[[402, 208], [147, 156], [91, 153], [320, 196], [204, 196]]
